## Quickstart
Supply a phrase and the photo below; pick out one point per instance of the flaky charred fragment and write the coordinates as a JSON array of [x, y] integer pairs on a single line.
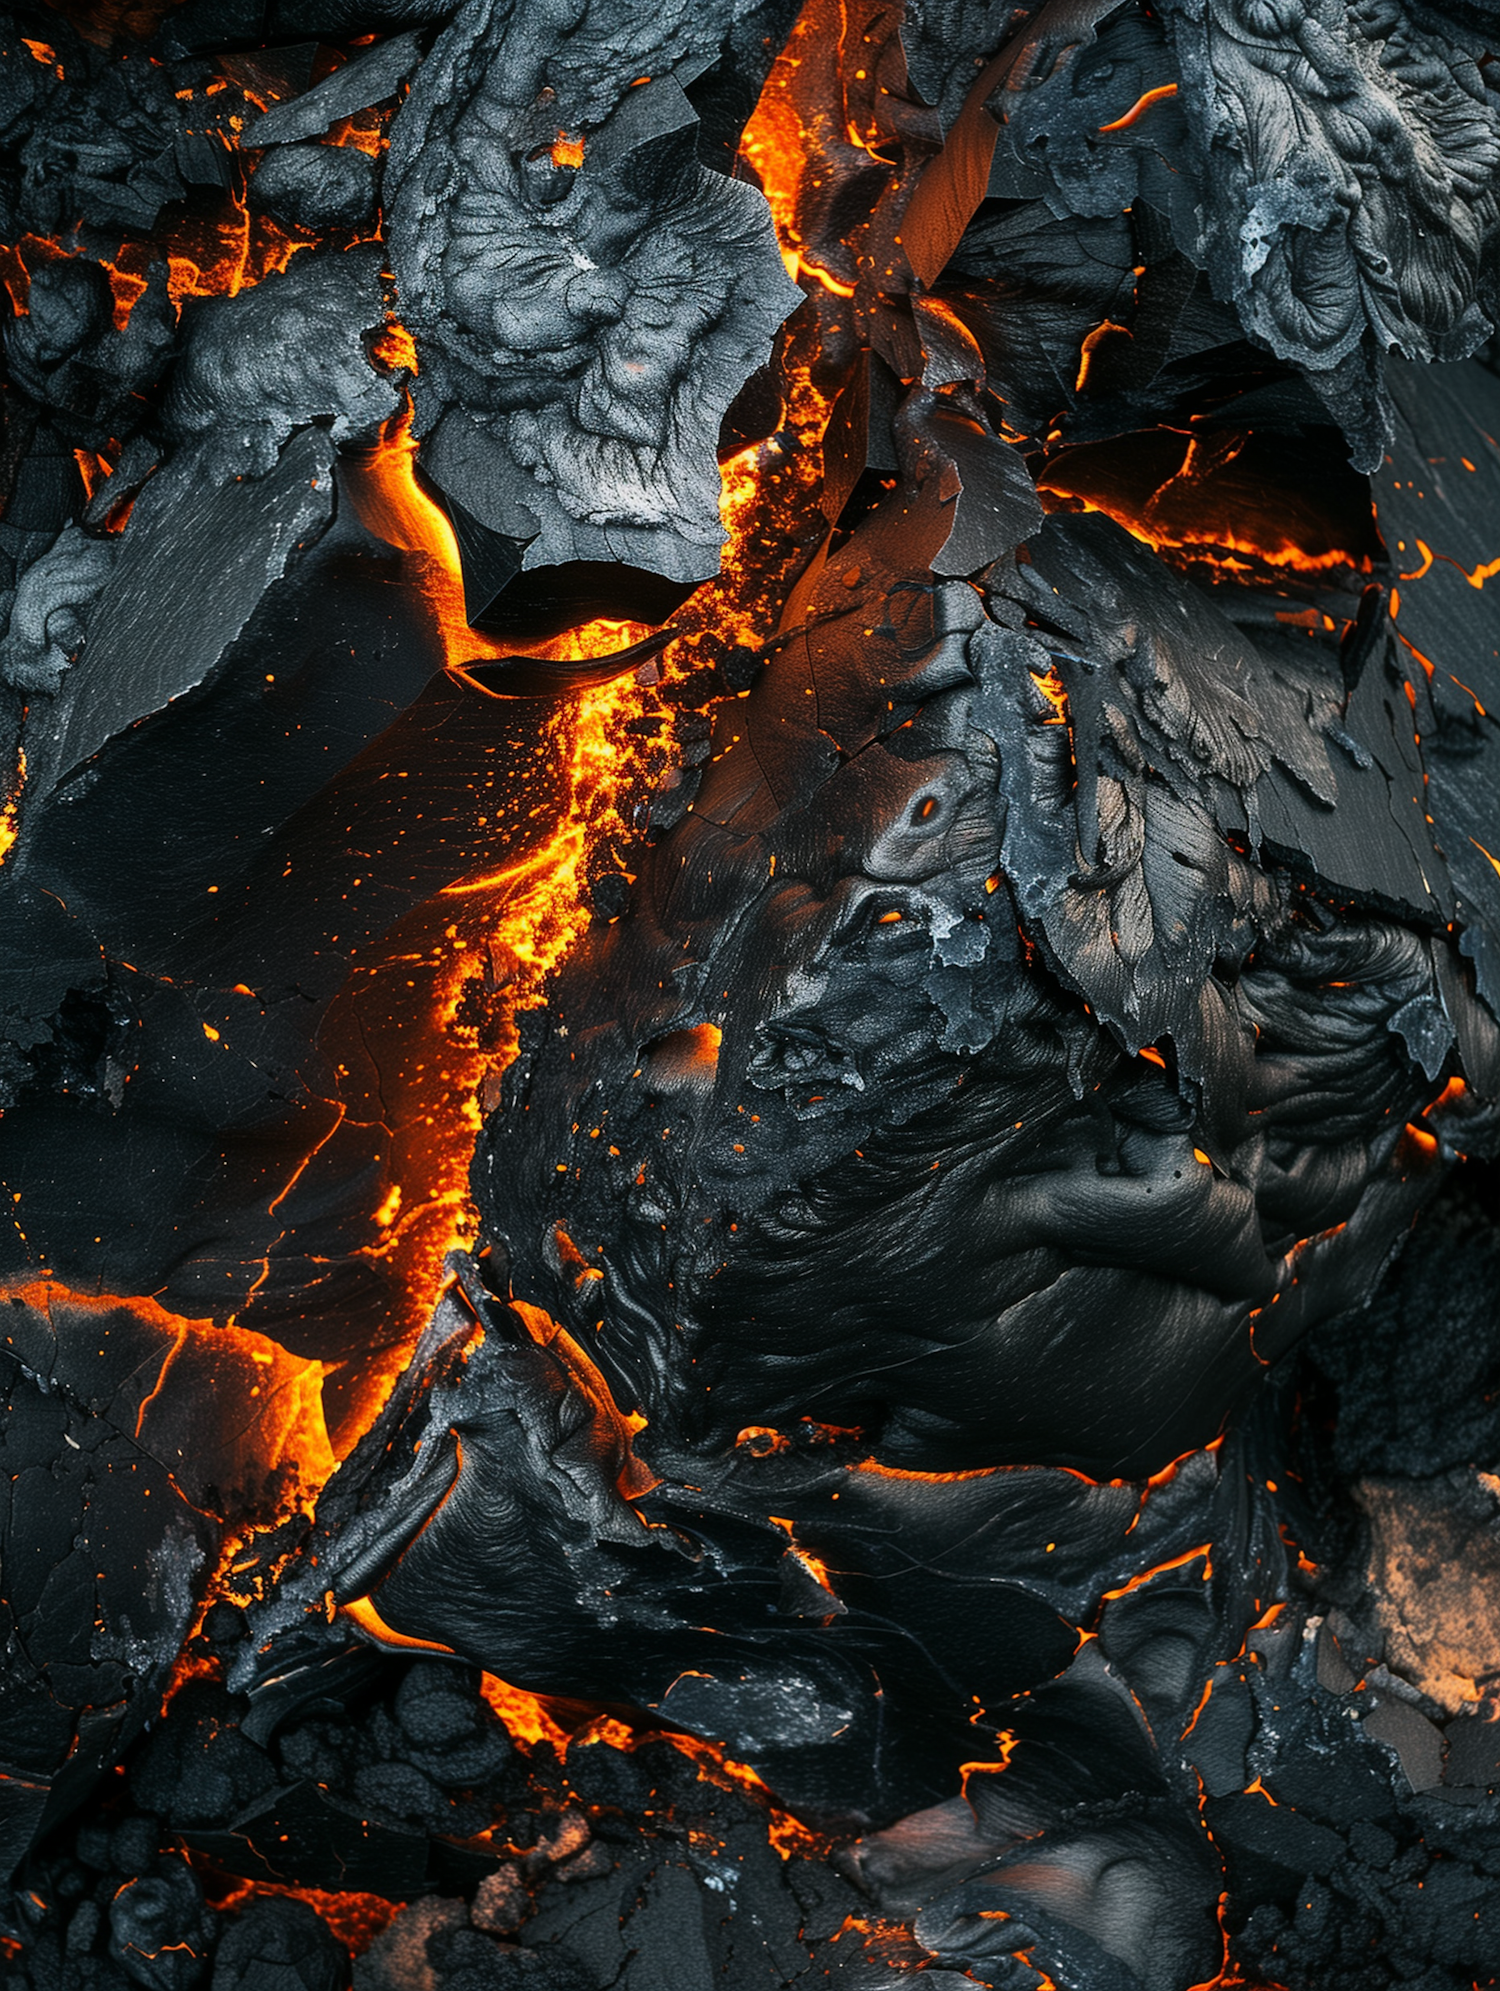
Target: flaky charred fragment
[[233, 392], [1328, 262]]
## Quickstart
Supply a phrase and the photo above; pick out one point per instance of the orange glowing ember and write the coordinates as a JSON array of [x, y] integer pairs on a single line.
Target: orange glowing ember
[[528, 1718], [395, 348], [206, 256]]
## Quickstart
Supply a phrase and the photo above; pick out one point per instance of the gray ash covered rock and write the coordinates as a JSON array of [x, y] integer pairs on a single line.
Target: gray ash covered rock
[[317, 187]]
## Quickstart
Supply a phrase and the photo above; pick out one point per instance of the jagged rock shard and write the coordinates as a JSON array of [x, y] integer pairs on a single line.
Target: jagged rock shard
[[154, 642], [376, 74]]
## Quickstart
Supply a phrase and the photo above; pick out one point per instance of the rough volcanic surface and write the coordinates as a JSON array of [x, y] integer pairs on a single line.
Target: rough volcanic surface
[[377, 1816], [749, 995]]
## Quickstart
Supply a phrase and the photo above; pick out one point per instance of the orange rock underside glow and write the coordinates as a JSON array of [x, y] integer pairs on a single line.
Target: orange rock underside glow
[[355, 1919], [1207, 508], [282, 1403]]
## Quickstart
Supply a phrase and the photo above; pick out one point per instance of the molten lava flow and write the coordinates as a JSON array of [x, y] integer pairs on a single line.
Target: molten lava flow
[[535, 1721], [433, 1007], [12, 806], [805, 137], [775, 144], [504, 929]]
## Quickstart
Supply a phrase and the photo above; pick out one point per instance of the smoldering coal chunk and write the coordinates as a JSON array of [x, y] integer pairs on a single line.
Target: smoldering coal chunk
[[341, 1795], [1349, 1879], [724, 1908], [279, 1945], [435, 1713], [501, 1901], [67, 305], [198, 1767], [280, 356], [404, 1792], [615, 1780], [316, 186], [66, 354], [160, 1929]]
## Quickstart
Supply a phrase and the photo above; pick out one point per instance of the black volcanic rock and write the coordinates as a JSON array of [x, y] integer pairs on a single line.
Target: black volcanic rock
[[279, 1945], [316, 186]]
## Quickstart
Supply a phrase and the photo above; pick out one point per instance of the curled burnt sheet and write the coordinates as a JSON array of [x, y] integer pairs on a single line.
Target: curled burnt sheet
[[750, 976]]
